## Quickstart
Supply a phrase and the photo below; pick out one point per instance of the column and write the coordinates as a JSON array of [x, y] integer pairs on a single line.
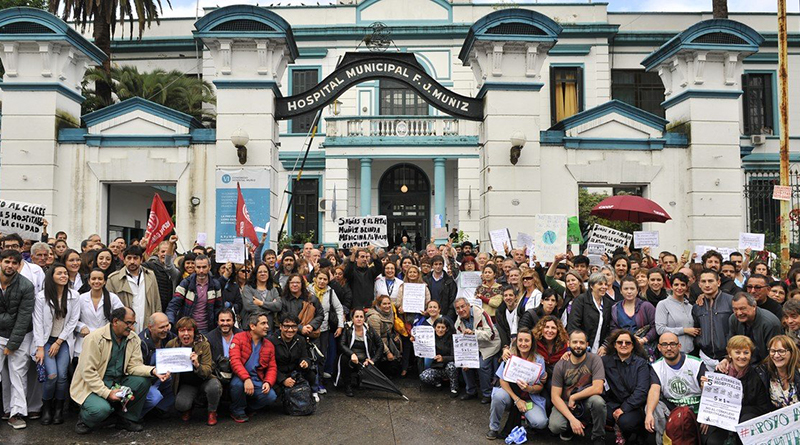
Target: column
[[440, 195], [366, 186]]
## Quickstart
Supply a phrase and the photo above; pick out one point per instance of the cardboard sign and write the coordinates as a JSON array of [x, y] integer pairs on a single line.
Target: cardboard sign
[[753, 241], [549, 236], [355, 231], [21, 218], [721, 401], [645, 239], [465, 351], [782, 192], [424, 341], [612, 239]]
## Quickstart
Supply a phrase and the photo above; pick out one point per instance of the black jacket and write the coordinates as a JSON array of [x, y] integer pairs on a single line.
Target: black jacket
[[755, 396], [584, 316], [289, 355], [344, 295], [765, 376], [446, 297], [231, 295], [361, 281], [728, 286], [374, 342], [293, 306], [628, 382], [501, 323], [214, 338], [16, 311], [444, 347], [166, 285], [529, 318]]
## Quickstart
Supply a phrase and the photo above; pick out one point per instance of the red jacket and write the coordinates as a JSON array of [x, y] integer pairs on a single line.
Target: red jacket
[[240, 351]]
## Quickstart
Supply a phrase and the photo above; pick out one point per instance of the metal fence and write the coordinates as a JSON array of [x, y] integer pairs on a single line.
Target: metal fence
[[763, 212]]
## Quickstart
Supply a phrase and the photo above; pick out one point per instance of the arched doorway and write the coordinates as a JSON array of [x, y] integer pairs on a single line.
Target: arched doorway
[[405, 199]]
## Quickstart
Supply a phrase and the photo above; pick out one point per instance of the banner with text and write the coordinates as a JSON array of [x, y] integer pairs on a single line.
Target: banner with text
[[22, 218], [549, 236], [256, 193], [778, 427], [362, 231], [611, 238]]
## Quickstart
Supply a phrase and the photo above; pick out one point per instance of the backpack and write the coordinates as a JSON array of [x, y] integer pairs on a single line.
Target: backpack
[[681, 427], [297, 400]]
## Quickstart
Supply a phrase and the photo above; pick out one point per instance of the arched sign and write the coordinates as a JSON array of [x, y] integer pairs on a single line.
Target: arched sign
[[360, 67]]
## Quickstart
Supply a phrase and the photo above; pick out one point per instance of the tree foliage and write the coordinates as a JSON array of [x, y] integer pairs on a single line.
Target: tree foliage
[[586, 201], [169, 88]]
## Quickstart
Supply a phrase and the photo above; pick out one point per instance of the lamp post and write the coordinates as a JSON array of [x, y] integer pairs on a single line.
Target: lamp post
[[240, 138], [517, 142]]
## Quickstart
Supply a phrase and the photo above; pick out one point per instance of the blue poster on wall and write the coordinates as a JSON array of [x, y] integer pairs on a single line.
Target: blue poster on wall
[[255, 189]]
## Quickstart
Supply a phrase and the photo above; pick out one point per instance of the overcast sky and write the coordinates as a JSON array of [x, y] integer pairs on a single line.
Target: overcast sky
[[186, 8]]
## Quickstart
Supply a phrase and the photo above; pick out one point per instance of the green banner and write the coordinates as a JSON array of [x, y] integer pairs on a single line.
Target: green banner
[[574, 231]]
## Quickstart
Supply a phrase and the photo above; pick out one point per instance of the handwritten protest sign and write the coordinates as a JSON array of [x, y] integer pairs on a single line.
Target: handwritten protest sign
[[465, 351], [424, 341], [549, 236], [202, 239], [467, 283], [414, 298], [778, 427], [362, 231], [595, 249], [721, 401], [645, 239], [230, 252], [612, 239], [173, 360], [753, 241], [22, 218], [520, 369], [726, 252], [499, 238], [782, 192], [524, 240]]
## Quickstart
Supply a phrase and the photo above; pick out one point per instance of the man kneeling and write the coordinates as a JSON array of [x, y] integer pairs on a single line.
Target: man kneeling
[[200, 382], [254, 370], [106, 361]]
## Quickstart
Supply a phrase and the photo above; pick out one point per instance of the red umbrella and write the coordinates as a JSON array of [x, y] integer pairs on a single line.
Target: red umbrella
[[630, 208]]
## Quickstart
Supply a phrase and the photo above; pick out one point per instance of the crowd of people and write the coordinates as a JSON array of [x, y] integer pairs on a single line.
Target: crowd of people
[[623, 346]]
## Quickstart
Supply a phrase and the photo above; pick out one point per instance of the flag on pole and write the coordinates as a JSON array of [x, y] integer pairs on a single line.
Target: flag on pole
[[574, 231], [333, 207], [159, 224], [244, 226]]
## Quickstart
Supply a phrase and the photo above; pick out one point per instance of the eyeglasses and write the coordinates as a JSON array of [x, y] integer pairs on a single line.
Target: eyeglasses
[[129, 323], [289, 327], [778, 352], [755, 287], [669, 345], [624, 342], [526, 278]]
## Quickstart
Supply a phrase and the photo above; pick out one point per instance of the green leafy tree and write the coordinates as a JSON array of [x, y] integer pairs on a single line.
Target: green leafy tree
[[172, 89], [587, 200], [104, 15]]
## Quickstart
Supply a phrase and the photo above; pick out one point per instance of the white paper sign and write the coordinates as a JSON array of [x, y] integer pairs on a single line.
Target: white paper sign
[[595, 249], [173, 360], [778, 427], [549, 236], [721, 401], [264, 229], [22, 218], [230, 252], [465, 351], [413, 298], [520, 369], [782, 192], [612, 239], [726, 252], [357, 231], [499, 238], [470, 279], [753, 241], [202, 239], [525, 240], [595, 260], [424, 341], [645, 239], [700, 250]]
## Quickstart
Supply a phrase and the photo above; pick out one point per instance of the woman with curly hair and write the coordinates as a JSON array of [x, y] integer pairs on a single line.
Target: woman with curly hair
[[628, 381]]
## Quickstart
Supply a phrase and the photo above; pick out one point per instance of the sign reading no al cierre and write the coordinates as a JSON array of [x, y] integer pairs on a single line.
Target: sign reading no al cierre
[[400, 67]]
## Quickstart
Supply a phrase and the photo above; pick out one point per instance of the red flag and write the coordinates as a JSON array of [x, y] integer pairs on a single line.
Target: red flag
[[244, 226], [159, 224]]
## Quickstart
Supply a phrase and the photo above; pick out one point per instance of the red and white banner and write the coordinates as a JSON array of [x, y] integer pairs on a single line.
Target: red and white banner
[[159, 224], [244, 225]]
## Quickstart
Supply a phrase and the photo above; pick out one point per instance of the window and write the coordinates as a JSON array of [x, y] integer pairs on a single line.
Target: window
[[757, 99], [565, 92], [399, 100], [638, 88], [305, 201], [302, 81]]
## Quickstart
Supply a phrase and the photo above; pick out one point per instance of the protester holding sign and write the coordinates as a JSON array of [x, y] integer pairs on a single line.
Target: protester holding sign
[[473, 320], [413, 278], [525, 396], [627, 383], [490, 292], [380, 319], [441, 367]]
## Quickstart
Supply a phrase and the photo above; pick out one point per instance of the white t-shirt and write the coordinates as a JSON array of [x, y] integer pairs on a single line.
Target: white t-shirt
[[139, 297]]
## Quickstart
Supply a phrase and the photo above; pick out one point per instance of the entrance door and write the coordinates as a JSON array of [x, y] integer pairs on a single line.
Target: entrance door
[[405, 199]]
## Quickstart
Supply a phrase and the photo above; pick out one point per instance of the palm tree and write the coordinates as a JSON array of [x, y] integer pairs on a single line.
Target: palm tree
[[172, 89], [720, 9], [104, 15]]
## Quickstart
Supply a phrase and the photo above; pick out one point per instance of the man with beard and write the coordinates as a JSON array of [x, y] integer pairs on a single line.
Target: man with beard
[[577, 393], [220, 339], [674, 381]]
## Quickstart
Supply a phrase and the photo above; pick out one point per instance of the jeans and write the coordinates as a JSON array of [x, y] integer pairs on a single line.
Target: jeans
[[501, 402], [211, 389], [56, 368], [595, 411], [485, 376], [240, 400], [159, 395]]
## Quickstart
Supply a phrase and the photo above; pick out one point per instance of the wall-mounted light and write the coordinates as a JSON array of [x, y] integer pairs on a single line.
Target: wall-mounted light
[[517, 142], [195, 201], [336, 107], [240, 138]]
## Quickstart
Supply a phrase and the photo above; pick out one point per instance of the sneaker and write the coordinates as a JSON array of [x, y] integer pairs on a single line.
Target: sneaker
[[33, 415], [322, 390], [6, 416], [453, 394], [129, 425], [468, 396], [492, 435], [316, 397], [437, 385], [17, 422], [81, 428], [566, 436], [326, 375], [212, 418], [486, 400], [239, 418]]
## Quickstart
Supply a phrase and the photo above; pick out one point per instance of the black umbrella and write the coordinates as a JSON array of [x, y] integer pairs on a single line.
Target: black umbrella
[[372, 378]]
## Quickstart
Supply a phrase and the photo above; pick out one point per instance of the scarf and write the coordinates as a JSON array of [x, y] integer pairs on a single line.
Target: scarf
[[320, 293], [550, 359], [655, 298], [738, 374]]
